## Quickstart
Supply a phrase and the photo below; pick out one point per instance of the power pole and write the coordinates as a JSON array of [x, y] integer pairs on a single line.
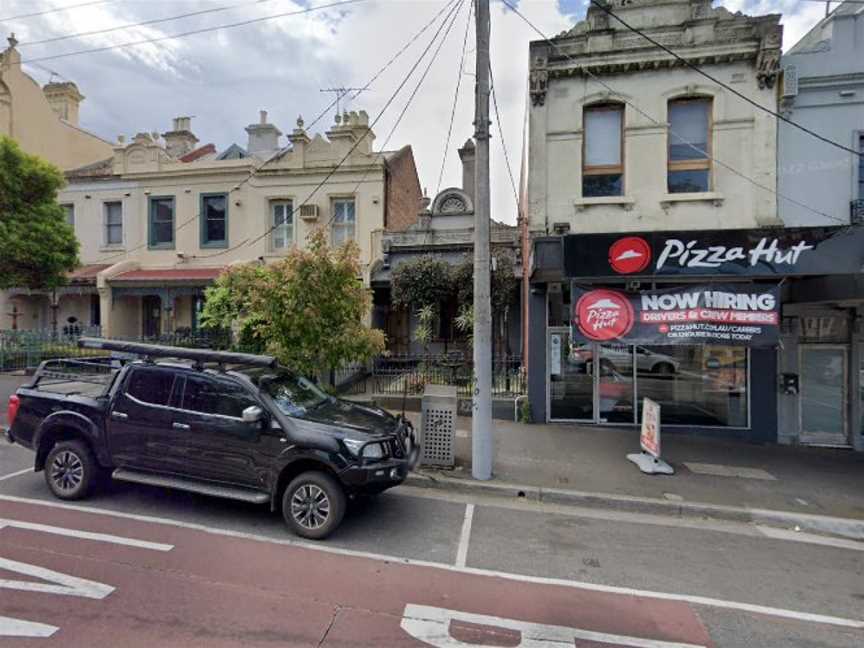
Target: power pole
[[481, 423]]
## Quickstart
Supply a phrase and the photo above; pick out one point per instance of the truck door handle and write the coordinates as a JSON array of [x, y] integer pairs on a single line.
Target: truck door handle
[[180, 426], [119, 415]]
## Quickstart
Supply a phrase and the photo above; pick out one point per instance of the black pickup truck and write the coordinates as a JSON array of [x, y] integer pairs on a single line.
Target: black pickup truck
[[216, 423]]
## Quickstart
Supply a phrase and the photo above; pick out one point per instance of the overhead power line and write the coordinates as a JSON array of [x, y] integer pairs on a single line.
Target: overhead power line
[[335, 102], [722, 84], [453, 7], [455, 99], [413, 94], [193, 32], [658, 122], [503, 143], [55, 10], [143, 23]]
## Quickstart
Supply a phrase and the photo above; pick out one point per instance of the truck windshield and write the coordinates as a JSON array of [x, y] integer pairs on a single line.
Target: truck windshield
[[294, 395]]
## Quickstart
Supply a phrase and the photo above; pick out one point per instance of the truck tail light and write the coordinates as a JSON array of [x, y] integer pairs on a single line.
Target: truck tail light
[[12, 411]]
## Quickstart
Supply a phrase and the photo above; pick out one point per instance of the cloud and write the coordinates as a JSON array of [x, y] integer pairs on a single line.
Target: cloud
[[225, 77]]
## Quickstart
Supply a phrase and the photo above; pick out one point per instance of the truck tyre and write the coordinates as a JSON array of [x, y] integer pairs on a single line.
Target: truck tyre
[[70, 470], [313, 505]]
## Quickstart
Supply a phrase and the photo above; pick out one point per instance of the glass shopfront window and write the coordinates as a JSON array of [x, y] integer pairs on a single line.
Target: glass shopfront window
[[695, 385], [705, 386]]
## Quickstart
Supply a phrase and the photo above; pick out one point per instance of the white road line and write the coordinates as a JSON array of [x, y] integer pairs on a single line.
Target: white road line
[[86, 535], [431, 625], [465, 536], [746, 529], [16, 474], [520, 578], [810, 538], [10, 627]]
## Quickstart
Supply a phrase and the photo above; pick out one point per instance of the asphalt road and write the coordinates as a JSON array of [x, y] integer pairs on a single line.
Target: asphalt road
[[409, 568]]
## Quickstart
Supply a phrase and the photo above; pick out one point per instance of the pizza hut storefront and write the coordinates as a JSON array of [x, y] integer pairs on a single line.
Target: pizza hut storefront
[[749, 333]]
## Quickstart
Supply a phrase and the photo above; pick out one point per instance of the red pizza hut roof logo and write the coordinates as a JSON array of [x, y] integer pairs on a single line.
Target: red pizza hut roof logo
[[603, 315], [629, 255]]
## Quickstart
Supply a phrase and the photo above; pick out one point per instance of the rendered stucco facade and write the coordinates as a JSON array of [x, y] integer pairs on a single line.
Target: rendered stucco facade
[[823, 90], [44, 121], [600, 61]]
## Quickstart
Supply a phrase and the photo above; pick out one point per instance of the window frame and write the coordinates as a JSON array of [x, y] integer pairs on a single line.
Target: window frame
[[172, 392], [603, 169], [204, 242], [692, 165], [106, 243], [181, 395], [334, 200], [289, 242], [69, 213], [151, 202]]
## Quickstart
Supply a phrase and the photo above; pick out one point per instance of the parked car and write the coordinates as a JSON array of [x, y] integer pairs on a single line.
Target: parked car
[[223, 424], [620, 358]]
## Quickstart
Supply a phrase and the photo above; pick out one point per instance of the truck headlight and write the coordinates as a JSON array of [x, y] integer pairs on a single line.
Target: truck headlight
[[371, 451]]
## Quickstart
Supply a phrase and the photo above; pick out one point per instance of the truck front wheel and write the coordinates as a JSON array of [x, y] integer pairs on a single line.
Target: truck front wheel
[[70, 470], [313, 505]]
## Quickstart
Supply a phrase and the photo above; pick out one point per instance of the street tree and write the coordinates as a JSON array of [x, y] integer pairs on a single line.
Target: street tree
[[37, 246], [306, 309]]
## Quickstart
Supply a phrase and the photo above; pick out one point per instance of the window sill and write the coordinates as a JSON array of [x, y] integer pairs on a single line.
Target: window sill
[[221, 245], [622, 201], [112, 248], [708, 196]]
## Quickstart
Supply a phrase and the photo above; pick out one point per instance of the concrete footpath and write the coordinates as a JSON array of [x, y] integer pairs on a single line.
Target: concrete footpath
[[815, 489]]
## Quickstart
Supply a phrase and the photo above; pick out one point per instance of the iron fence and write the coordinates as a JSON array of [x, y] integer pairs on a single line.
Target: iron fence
[[22, 350], [401, 374]]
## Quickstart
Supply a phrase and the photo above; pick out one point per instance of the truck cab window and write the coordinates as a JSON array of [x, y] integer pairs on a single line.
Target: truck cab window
[[211, 396], [151, 385]]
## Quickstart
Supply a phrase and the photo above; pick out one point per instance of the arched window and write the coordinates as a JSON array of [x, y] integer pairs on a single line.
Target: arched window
[[603, 150], [689, 157]]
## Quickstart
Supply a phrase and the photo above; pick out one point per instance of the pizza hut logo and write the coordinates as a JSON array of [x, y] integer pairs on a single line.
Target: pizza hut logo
[[629, 255], [603, 315]]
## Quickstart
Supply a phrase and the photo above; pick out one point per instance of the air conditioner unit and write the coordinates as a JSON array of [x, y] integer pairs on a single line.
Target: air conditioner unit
[[790, 81], [309, 212]]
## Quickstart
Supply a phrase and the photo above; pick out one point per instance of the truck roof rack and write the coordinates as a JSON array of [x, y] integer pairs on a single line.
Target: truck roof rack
[[149, 351]]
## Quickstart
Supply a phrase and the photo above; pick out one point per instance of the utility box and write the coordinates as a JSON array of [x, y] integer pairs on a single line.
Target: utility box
[[438, 426]]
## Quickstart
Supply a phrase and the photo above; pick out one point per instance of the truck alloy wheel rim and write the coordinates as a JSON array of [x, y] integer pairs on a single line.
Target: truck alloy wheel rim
[[310, 506], [67, 471]]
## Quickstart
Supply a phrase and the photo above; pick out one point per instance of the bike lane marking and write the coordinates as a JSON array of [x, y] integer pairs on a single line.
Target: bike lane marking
[[465, 537], [442, 567], [16, 474]]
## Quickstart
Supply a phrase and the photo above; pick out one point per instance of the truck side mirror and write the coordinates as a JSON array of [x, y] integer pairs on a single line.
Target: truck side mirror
[[252, 414]]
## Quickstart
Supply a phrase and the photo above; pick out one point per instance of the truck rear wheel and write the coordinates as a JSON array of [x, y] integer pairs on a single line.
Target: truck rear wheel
[[70, 470], [313, 505]]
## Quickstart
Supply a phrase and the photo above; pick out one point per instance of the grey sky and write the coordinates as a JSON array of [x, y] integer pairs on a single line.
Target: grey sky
[[223, 78]]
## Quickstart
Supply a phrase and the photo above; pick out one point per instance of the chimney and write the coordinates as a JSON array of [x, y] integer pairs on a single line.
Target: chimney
[[466, 154], [180, 140], [64, 99], [263, 136]]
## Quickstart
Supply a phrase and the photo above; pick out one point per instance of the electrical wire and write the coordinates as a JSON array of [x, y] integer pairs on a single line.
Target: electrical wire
[[455, 99], [722, 84], [503, 143], [203, 30], [454, 5], [374, 78], [55, 10], [411, 97], [657, 122], [145, 244], [143, 23]]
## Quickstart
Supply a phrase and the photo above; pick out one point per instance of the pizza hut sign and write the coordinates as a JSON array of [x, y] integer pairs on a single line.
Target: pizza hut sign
[[746, 315], [751, 253]]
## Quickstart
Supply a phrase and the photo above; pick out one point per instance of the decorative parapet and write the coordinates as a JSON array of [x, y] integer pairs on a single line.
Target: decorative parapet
[[694, 30]]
